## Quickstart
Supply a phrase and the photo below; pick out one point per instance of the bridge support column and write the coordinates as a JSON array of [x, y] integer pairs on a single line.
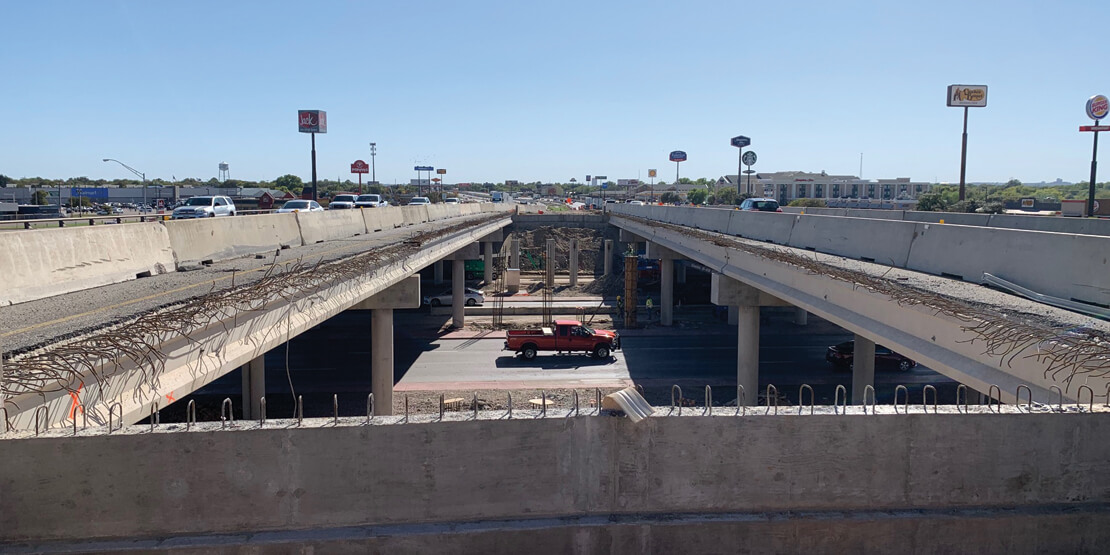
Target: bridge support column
[[801, 316], [487, 275], [381, 360], [747, 352], [403, 294], [681, 274], [550, 277], [437, 272], [863, 368], [744, 301], [666, 292], [574, 262], [458, 293], [607, 263], [514, 253], [254, 386], [733, 316]]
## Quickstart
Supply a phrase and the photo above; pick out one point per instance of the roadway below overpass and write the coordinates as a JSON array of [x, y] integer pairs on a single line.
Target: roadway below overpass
[[137, 346], [983, 338]]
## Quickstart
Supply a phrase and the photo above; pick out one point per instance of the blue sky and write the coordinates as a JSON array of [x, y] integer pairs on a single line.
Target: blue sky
[[548, 91]]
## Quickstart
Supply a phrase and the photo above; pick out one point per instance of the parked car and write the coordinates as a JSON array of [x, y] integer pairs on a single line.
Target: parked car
[[342, 202], [205, 207], [473, 297], [416, 201], [841, 355], [370, 201], [300, 206], [760, 205]]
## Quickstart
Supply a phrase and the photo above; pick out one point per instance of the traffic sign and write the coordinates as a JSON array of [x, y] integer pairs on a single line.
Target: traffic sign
[[741, 141], [605, 185], [1094, 127], [749, 158]]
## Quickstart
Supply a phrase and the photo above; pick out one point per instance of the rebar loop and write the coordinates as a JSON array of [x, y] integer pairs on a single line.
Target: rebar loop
[[575, 392], [708, 401], [369, 407], [300, 410], [155, 415], [994, 393], [679, 389], [925, 398], [965, 390], [474, 404], [874, 398], [1090, 398], [769, 396], [84, 414], [261, 411], [44, 410], [227, 413], [1059, 397], [335, 408], [1029, 397], [441, 407], [837, 407], [112, 410], [509, 416], [905, 403], [741, 401], [190, 414], [812, 398]]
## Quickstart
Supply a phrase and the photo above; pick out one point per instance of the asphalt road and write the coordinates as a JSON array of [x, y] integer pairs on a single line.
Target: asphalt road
[[334, 359]]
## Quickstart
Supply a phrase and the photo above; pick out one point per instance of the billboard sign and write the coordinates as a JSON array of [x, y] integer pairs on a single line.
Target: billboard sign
[[312, 121], [1098, 107], [678, 156], [967, 96], [740, 141], [652, 173], [360, 167], [423, 168], [89, 192], [441, 171]]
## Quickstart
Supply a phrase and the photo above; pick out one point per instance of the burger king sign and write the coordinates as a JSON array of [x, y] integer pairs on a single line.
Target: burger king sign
[[1098, 106]]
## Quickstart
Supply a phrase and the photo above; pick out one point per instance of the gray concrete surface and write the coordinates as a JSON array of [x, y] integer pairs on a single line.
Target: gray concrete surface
[[882, 483]]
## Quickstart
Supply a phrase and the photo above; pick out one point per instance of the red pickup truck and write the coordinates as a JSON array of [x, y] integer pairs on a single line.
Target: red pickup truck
[[567, 335]]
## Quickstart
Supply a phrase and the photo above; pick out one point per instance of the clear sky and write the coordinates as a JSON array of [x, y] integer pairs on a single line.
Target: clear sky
[[547, 91]]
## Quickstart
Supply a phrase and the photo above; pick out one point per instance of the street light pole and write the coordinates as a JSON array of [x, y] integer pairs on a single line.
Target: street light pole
[[141, 175], [373, 165]]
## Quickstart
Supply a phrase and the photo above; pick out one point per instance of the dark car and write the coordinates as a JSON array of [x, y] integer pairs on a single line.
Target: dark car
[[761, 205], [841, 354]]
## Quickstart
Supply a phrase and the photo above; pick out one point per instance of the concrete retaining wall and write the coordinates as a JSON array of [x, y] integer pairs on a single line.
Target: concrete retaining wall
[[330, 225], [223, 238], [883, 471], [46, 262]]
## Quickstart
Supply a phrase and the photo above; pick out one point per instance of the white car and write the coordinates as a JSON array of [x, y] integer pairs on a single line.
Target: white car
[[204, 207], [370, 201], [473, 297], [300, 206], [341, 202], [451, 200], [416, 201]]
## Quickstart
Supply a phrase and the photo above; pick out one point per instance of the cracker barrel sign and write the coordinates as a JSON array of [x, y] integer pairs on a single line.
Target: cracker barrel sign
[[967, 96]]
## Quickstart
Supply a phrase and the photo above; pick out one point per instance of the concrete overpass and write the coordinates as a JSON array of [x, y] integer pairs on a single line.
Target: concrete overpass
[[979, 337], [125, 371]]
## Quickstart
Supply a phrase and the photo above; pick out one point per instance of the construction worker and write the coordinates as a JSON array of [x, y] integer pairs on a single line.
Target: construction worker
[[650, 308], [620, 305]]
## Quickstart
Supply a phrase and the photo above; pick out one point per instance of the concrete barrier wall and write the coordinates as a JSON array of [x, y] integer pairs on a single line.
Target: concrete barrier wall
[[217, 239], [437, 212], [390, 216], [883, 241], [330, 225], [413, 215], [160, 485], [372, 219], [46, 262]]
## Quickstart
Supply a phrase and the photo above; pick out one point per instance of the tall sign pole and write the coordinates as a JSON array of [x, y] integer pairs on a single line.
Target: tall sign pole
[[677, 156], [740, 142], [965, 96], [1098, 107], [652, 174], [312, 121], [748, 159]]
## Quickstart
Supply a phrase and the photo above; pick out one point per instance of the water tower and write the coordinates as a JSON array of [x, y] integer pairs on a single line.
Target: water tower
[[225, 173]]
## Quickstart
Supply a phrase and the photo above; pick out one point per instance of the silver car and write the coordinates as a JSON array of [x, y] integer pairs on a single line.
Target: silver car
[[204, 207], [473, 297]]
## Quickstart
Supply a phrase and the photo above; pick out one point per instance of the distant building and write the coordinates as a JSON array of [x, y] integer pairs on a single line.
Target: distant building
[[836, 190]]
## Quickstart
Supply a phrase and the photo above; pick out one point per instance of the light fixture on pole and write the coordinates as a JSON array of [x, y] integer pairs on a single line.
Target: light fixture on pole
[[141, 175], [740, 142], [373, 164]]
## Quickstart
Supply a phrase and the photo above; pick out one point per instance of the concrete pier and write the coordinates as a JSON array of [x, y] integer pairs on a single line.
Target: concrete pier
[[863, 367]]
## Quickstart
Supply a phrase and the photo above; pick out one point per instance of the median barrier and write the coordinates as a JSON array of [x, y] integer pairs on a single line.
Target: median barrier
[[882, 241], [1054, 224], [215, 239], [469, 208], [957, 218], [390, 216], [47, 262], [762, 226], [1048, 263], [413, 215], [874, 214], [330, 225], [372, 218], [436, 212]]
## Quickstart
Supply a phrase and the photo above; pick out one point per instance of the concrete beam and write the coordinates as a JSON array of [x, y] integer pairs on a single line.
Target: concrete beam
[[495, 237], [725, 291], [469, 252], [629, 237], [655, 251], [403, 294]]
